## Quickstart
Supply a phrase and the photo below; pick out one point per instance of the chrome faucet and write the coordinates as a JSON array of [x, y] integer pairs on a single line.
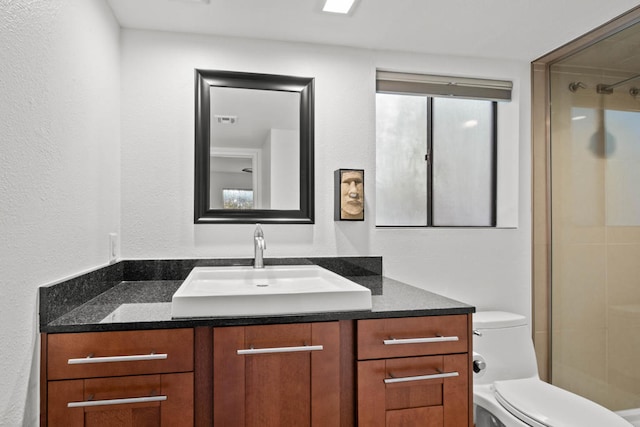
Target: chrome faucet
[[259, 245]]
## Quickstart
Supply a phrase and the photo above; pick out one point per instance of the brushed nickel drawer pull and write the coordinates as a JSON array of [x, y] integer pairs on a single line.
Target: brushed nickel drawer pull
[[88, 403], [392, 341], [109, 359], [421, 377], [280, 349]]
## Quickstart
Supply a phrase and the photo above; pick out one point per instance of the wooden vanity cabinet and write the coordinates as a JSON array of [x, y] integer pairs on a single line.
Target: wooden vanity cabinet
[[414, 371], [278, 375], [411, 371], [132, 378]]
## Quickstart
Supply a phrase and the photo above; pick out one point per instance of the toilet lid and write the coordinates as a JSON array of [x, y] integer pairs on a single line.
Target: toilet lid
[[543, 405]]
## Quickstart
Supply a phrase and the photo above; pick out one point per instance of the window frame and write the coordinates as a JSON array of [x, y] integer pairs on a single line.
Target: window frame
[[397, 88]]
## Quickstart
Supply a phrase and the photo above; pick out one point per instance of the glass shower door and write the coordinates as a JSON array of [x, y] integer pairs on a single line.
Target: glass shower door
[[595, 223]]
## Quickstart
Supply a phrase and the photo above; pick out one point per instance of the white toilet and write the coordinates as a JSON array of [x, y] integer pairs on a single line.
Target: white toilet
[[507, 391]]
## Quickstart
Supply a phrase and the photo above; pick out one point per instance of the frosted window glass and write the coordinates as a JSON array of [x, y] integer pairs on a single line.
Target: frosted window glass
[[462, 162], [237, 199], [401, 170]]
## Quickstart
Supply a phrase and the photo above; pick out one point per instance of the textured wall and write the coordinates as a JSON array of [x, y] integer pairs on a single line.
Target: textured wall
[[486, 267], [59, 168]]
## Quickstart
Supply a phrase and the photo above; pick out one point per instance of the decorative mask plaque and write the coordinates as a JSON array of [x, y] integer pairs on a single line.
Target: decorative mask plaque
[[349, 195]]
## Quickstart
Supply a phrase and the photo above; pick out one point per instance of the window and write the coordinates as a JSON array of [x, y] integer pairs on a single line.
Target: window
[[436, 150], [234, 198]]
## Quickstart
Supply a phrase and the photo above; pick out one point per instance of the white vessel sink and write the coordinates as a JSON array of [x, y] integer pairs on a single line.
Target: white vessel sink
[[273, 290]]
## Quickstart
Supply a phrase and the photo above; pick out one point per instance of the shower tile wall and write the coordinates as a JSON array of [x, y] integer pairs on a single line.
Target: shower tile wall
[[595, 167]]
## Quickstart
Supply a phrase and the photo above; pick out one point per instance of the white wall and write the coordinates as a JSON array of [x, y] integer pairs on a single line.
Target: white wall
[[285, 169], [264, 177], [59, 169], [489, 268]]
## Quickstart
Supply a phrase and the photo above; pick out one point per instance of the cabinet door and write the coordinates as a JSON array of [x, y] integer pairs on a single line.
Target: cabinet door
[[277, 375], [429, 391], [135, 401]]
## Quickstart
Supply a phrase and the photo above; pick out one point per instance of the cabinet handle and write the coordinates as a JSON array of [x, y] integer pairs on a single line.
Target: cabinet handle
[[280, 349], [88, 403], [421, 377], [392, 340], [108, 359]]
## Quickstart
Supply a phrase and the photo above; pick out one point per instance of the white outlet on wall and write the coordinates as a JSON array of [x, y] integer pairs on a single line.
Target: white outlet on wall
[[113, 247]]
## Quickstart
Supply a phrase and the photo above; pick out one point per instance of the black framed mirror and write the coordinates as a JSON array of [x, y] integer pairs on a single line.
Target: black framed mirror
[[254, 145]]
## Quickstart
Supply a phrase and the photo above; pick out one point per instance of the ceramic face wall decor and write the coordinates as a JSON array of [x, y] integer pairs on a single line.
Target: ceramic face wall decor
[[349, 195]]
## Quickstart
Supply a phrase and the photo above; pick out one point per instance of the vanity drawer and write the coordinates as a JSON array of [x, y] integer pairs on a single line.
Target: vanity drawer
[[412, 336], [425, 391], [140, 400], [103, 354]]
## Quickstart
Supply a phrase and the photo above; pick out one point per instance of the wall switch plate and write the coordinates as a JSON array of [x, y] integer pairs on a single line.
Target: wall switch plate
[[113, 247]]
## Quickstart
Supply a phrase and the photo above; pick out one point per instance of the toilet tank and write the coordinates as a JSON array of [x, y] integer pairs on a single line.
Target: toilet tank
[[503, 341]]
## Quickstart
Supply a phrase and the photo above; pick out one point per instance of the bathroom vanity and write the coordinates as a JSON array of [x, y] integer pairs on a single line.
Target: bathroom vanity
[[113, 355]]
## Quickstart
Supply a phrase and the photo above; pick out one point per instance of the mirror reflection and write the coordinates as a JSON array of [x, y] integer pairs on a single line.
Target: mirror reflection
[[255, 149]]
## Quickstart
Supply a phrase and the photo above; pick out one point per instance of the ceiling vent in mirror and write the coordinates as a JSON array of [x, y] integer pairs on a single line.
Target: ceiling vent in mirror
[[226, 120]]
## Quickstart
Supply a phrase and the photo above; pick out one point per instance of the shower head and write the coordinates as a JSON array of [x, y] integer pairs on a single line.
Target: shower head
[[574, 86]]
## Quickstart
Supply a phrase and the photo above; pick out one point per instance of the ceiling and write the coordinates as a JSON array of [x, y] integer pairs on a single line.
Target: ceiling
[[256, 113], [512, 29]]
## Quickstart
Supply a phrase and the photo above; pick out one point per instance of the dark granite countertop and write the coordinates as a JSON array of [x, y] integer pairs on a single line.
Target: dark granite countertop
[[137, 295]]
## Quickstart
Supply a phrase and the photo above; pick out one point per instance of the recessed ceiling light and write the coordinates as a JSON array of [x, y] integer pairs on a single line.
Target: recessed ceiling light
[[338, 6]]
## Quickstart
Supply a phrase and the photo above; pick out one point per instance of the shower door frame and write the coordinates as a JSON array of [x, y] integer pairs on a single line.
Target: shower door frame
[[541, 180]]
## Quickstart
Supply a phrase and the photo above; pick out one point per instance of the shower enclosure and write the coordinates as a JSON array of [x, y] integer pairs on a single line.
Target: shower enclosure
[[590, 328]]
